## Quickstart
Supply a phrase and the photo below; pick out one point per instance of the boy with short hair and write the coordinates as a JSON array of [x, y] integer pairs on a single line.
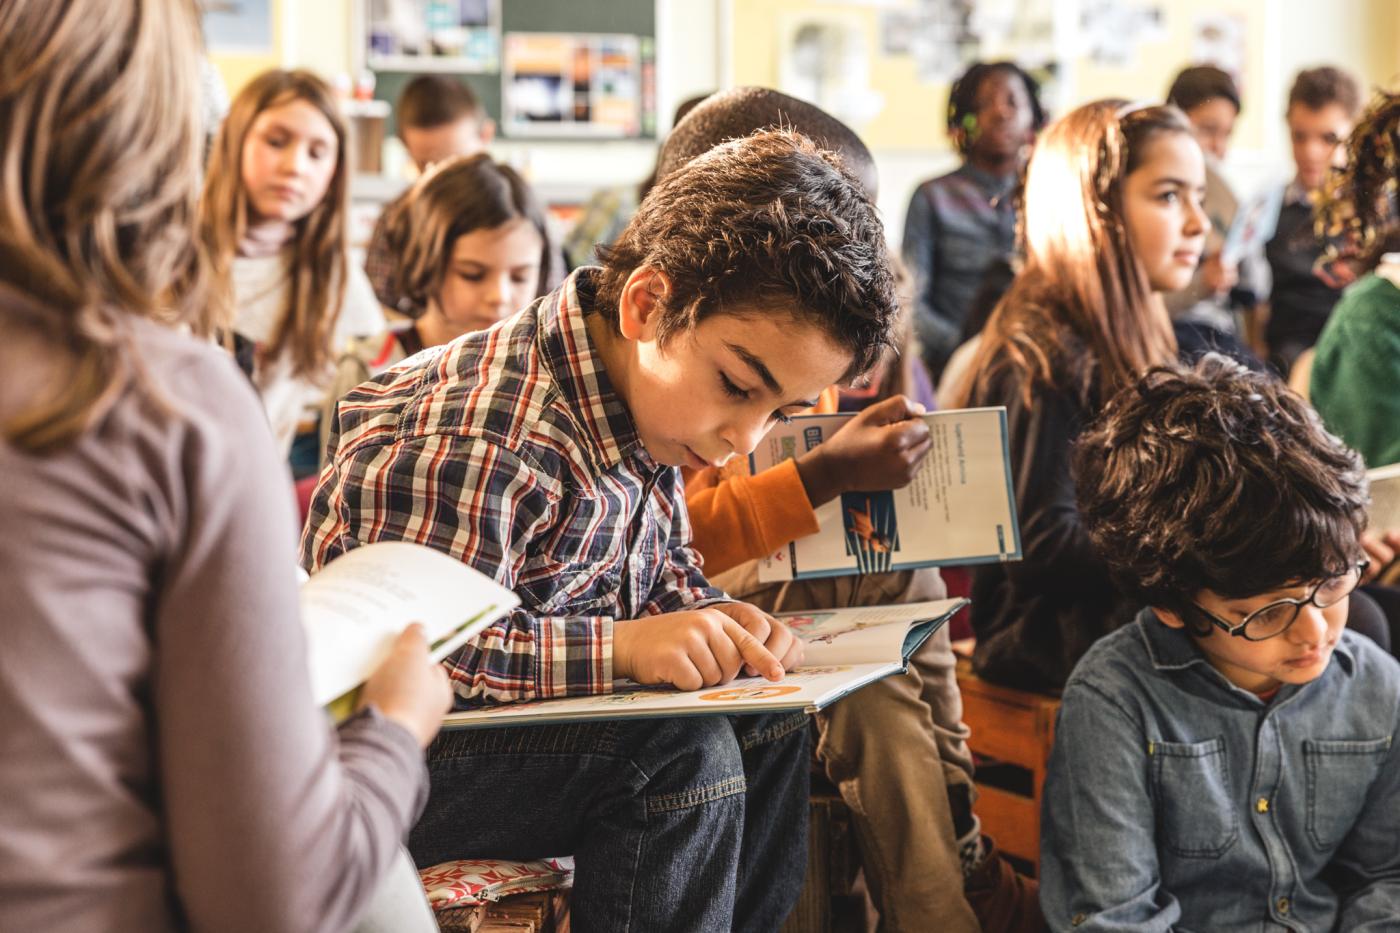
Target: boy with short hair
[[542, 452], [1322, 106], [896, 749], [437, 117], [1227, 761]]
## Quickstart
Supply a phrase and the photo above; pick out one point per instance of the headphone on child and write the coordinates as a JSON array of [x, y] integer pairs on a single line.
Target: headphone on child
[[962, 99]]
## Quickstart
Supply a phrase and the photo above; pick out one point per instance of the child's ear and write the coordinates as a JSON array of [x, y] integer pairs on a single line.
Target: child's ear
[[488, 130], [1168, 618], [643, 296]]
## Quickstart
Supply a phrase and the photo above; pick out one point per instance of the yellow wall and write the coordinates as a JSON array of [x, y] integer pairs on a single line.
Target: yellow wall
[[311, 34], [1281, 36], [238, 69], [912, 114]]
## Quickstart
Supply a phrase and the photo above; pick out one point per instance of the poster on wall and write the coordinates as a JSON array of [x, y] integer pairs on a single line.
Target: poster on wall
[[823, 58], [1111, 30], [945, 37], [433, 35], [578, 85], [242, 27], [1219, 39]]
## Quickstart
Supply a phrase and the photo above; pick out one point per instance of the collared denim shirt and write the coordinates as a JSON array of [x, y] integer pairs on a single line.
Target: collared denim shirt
[[1177, 801]]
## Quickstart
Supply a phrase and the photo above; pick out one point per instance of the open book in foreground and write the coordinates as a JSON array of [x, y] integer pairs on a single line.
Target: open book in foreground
[[845, 650], [356, 606], [959, 509]]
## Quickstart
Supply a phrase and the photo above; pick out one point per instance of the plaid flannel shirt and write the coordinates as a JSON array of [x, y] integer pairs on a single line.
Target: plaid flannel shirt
[[510, 450]]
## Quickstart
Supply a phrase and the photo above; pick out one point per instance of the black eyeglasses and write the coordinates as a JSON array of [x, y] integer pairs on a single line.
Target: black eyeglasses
[[1275, 618]]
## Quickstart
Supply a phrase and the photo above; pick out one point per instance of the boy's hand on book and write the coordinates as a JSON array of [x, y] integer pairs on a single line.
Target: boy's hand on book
[[879, 449], [689, 650], [773, 634], [410, 688]]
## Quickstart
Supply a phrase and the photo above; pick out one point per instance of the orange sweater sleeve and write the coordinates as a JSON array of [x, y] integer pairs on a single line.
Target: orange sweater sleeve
[[736, 517]]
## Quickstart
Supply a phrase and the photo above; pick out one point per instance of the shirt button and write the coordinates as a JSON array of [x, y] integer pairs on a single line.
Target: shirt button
[[1262, 805], [1283, 905], [1077, 919]]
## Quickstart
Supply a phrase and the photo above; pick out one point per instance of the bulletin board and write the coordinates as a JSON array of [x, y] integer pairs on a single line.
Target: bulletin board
[[590, 17]]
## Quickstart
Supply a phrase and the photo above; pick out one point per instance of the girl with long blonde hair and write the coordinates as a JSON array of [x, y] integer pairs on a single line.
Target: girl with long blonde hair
[[273, 219], [162, 762], [1112, 219]]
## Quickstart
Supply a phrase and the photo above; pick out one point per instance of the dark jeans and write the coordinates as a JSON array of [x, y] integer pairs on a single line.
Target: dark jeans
[[675, 824]]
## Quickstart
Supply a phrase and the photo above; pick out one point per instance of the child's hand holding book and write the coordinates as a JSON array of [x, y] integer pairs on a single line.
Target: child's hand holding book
[[703, 647], [879, 449]]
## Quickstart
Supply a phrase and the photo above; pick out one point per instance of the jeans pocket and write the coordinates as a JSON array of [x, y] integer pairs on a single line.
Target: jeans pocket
[[1340, 772], [1191, 784]]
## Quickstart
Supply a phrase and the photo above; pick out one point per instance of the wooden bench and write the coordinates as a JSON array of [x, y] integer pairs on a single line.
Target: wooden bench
[[1016, 729]]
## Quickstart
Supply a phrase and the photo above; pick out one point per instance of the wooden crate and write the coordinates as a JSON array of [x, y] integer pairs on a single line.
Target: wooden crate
[[1017, 729]]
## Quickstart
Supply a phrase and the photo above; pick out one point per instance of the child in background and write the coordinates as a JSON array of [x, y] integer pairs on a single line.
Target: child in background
[[1228, 761], [1203, 317], [959, 224], [542, 452], [273, 218], [1354, 380], [1113, 219], [437, 117], [473, 249], [1355, 375], [1322, 106], [162, 762], [897, 748]]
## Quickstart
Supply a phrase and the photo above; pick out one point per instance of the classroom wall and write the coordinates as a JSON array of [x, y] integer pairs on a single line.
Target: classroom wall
[[705, 44]]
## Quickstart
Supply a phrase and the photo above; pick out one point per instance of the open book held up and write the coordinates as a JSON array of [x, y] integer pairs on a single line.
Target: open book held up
[[959, 509], [845, 649], [356, 606]]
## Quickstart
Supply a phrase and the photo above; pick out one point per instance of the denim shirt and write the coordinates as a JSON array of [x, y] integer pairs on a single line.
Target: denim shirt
[[1177, 801]]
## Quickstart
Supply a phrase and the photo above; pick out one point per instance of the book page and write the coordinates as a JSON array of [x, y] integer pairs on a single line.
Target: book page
[[355, 607], [862, 635], [1384, 512], [959, 509], [809, 687]]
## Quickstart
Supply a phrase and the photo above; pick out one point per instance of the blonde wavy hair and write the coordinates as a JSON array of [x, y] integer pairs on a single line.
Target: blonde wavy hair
[[99, 159], [318, 263], [1082, 285]]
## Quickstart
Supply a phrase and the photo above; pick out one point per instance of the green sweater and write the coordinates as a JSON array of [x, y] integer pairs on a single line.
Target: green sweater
[[1355, 383]]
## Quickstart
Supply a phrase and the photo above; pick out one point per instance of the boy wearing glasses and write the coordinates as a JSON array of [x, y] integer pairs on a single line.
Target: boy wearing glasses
[[1226, 761]]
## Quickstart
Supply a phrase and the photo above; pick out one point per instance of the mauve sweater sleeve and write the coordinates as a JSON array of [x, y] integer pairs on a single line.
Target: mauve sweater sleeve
[[273, 820]]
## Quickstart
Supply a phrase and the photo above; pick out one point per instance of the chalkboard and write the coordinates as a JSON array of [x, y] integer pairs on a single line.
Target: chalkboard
[[637, 17]]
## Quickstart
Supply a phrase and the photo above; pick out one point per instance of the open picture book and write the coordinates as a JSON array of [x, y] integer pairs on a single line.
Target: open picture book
[[845, 649], [356, 606], [959, 509]]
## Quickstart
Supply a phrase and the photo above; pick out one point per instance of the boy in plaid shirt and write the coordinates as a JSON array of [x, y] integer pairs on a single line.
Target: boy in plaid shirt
[[543, 452]]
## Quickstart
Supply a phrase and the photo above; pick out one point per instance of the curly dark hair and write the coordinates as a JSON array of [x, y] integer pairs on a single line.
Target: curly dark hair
[[1358, 206], [765, 223], [1216, 478], [962, 98]]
